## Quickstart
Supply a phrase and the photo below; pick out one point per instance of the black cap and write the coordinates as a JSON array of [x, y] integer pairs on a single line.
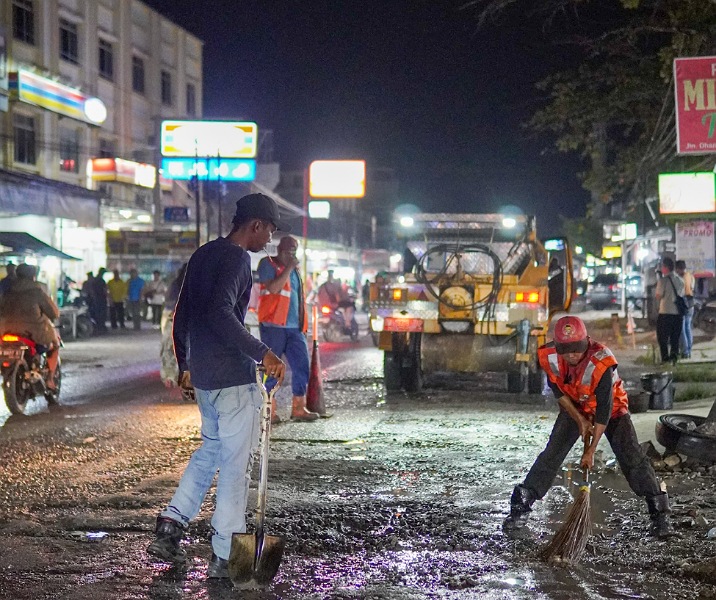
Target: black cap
[[259, 206]]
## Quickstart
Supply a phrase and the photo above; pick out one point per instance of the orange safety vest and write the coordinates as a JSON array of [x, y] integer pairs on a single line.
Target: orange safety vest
[[582, 390], [273, 308]]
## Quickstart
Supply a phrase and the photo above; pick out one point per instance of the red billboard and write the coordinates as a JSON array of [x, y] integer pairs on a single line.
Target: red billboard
[[695, 89]]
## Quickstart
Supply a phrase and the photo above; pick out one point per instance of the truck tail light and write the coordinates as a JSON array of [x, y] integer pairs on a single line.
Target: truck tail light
[[531, 297]]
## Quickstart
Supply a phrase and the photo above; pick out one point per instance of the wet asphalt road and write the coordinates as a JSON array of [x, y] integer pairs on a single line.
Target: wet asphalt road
[[394, 497]]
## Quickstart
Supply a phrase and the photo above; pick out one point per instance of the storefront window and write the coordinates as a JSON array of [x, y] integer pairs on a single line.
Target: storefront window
[[166, 88], [106, 148], [106, 63], [23, 21], [190, 100], [69, 46], [69, 150], [138, 74], [24, 138]]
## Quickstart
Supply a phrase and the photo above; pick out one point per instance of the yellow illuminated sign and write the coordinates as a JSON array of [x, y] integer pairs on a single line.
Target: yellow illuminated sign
[[611, 252], [226, 139], [337, 179]]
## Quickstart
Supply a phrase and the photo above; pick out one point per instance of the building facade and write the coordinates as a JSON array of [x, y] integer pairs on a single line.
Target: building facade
[[84, 88]]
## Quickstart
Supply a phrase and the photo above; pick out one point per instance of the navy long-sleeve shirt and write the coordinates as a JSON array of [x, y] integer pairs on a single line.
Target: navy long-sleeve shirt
[[210, 339]]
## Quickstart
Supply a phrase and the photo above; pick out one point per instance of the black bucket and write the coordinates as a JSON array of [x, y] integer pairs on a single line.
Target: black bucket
[[661, 390]]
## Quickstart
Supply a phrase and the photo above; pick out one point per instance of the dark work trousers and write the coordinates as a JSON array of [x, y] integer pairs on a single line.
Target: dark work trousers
[[116, 314], [622, 438], [668, 333]]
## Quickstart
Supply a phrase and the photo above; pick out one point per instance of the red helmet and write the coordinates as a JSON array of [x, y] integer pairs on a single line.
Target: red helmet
[[570, 335]]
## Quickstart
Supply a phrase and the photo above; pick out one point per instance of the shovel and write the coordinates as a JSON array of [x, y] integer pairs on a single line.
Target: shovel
[[257, 556]]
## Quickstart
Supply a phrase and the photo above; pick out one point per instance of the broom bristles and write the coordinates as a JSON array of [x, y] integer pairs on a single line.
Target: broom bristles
[[568, 544]]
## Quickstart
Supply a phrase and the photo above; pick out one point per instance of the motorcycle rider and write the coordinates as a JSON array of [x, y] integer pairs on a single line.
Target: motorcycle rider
[[27, 310], [331, 294]]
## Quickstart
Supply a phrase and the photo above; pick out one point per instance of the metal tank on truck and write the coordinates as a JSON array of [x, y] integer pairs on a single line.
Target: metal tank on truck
[[477, 296]]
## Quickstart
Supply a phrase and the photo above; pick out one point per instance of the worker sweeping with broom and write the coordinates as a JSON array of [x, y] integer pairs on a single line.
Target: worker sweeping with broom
[[583, 376]]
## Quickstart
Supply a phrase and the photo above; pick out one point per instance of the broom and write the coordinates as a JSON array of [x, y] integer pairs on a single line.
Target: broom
[[568, 544]]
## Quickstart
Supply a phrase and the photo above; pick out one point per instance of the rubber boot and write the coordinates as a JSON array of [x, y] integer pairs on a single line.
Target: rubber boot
[[520, 508], [275, 419], [166, 546], [299, 412], [659, 512]]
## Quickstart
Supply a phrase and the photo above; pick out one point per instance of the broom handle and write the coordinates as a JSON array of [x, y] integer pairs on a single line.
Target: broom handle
[[585, 472]]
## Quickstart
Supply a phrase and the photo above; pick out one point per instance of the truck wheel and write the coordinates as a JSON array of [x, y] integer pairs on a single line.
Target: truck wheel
[[535, 382], [412, 375], [516, 382], [391, 371]]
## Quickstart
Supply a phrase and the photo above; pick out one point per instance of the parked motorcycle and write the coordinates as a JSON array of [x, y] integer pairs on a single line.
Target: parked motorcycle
[[24, 371], [84, 322], [705, 315], [334, 326]]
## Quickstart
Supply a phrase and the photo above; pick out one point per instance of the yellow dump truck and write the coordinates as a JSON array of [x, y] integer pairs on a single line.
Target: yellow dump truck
[[477, 296]]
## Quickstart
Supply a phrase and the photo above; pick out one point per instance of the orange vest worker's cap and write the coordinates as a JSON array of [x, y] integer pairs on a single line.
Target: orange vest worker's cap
[[570, 335]]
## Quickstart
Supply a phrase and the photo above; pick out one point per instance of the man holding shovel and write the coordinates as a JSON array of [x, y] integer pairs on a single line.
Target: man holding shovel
[[583, 376], [211, 342]]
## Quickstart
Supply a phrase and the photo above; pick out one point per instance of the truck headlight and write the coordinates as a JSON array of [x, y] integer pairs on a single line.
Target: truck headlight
[[376, 324]]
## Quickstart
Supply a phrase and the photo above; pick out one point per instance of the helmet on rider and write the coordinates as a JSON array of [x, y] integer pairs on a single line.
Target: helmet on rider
[[570, 335]]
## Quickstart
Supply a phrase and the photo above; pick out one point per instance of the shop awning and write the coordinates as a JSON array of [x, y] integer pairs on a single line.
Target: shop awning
[[27, 194], [24, 243]]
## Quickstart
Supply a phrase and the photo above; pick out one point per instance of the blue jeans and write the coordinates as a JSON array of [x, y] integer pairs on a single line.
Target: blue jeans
[[291, 342], [230, 431], [687, 335]]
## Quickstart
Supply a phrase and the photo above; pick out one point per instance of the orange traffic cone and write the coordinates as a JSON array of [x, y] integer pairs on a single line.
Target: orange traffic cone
[[314, 394]]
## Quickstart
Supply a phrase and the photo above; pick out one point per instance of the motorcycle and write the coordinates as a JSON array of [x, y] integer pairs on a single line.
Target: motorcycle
[[333, 324], [705, 315], [23, 365]]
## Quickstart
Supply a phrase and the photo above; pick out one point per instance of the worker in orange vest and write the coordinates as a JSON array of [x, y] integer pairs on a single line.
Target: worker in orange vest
[[583, 376], [283, 323]]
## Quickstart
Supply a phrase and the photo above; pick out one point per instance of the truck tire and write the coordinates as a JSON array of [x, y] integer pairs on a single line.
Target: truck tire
[[391, 371], [412, 374], [535, 382], [516, 382]]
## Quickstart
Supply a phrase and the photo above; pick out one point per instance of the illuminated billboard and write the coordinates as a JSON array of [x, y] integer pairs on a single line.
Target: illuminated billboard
[[226, 139], [337, 179], [37, 90], [124, 171], [212, 169], [687, 193]]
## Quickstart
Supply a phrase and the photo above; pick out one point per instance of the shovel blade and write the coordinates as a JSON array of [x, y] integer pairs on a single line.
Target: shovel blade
[[269, 559], [242, 557]]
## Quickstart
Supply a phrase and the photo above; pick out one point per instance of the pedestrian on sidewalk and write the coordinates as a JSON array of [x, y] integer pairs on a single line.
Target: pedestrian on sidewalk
[[117, 289], [135, 285], [669, 323], [283, 323], [154, 293], [687, 335], [221, 369], [583, 376]]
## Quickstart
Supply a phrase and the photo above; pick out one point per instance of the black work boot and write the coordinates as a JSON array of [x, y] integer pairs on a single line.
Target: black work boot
[[520, 508], [166, 545], [659, 512], [218, 568]]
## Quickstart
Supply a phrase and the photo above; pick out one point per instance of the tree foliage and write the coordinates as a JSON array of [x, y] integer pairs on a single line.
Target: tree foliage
[[616, 107]]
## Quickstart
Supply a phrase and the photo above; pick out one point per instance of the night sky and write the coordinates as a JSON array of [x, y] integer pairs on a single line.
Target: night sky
[[407, 84]]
